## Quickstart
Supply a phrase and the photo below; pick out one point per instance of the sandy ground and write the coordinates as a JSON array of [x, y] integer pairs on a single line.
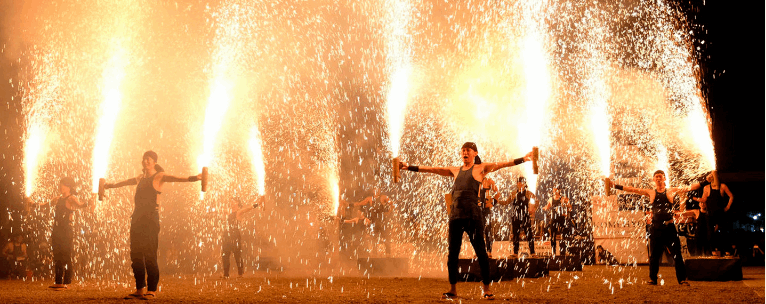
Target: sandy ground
[[593, 284]]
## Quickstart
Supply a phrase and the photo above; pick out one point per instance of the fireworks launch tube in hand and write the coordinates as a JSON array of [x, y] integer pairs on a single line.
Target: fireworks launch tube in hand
[[204, 179], [396, 174], [101, 189], [535, 157]]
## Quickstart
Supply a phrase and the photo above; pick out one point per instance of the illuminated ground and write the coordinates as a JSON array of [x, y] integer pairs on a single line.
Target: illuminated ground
[[590, 285]]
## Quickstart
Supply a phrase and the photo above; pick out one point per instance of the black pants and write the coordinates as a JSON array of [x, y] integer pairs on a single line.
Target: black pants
[[558, 226], [488, 239], [475, 231], [663, 236], [231, 245], [381, 234], [522, 225], [716, 241], [702, 238], [62, 241], [144, 239]]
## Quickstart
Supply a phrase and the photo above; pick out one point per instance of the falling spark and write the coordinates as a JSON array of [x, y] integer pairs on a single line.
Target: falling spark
[[256, 150], [112, 77]]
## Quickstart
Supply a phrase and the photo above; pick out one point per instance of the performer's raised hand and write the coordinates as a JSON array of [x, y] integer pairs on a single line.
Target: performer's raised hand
[[529, 156], [402, 165]]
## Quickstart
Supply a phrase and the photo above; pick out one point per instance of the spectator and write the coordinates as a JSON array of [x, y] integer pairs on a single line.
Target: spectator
[[15, 253]]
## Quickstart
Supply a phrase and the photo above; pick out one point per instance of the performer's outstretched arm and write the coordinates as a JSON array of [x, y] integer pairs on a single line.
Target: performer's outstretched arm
[[127, 182], [167, 178], [491, 167], [445, 171], [731, 197]]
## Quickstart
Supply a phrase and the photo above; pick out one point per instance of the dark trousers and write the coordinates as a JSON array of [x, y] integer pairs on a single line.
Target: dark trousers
[[662, 236], [381, 234], [716, 241], [144, 239], [522, 225], [488, 238], [475, 231], [62, 242], [558, 226], [702, 238], [232, 246]]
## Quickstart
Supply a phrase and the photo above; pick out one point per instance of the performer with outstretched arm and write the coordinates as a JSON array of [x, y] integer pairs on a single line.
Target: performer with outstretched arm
[[713, 209], [662, 233], [522, 212], [232, 237], [378, 207], [558, 207], [487, 201], [145, 223], [465, 214], [62, 236]]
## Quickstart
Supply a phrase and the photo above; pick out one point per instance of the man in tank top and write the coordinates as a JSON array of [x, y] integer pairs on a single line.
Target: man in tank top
[[145, 223], [713, 209], [662, 232], [465, 215], [558, 208]]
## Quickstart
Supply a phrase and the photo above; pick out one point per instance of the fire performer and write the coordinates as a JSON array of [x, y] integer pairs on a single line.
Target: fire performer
[[558, 206], [713, 211], [486, 202], [62, 236], [465, 214], [145, 223], [521, 221], [378, 209], [662, 232], [232, 237]]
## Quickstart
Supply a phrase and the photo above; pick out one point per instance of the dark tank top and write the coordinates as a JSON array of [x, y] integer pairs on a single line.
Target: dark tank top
[[662, 208], [557, 209], [233, 226], [465, 196], [714, 200], [63, 217], [520, 207], [146, 198], [17, 250]]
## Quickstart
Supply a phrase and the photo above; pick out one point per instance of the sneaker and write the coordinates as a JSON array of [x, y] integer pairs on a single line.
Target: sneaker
[[684, 283], [652, 283]]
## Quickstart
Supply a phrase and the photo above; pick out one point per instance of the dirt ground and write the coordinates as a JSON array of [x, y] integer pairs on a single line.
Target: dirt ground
[[593, 284]]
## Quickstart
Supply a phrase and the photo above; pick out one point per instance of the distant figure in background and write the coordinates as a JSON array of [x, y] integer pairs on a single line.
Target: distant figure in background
[[558, 207], [15, 253], [605, 257], [712, 204], [487, 201], [522, 207], [662, 233], [378, 211], [145, 223], [232, 237], [62, 236]]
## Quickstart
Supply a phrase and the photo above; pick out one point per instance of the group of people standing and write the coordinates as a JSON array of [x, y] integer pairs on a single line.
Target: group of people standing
[[470, 211]]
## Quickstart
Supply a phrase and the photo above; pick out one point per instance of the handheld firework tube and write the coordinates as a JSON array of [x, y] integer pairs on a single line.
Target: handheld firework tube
[[101, 189], [535, 156], [397, 175], [204, 179], [607, 186], [716, 182], [448, 200]]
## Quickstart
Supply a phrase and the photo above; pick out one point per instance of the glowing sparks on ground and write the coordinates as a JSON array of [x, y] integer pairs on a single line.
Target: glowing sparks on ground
[[256, 151], [112, 78], [399, 61]]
